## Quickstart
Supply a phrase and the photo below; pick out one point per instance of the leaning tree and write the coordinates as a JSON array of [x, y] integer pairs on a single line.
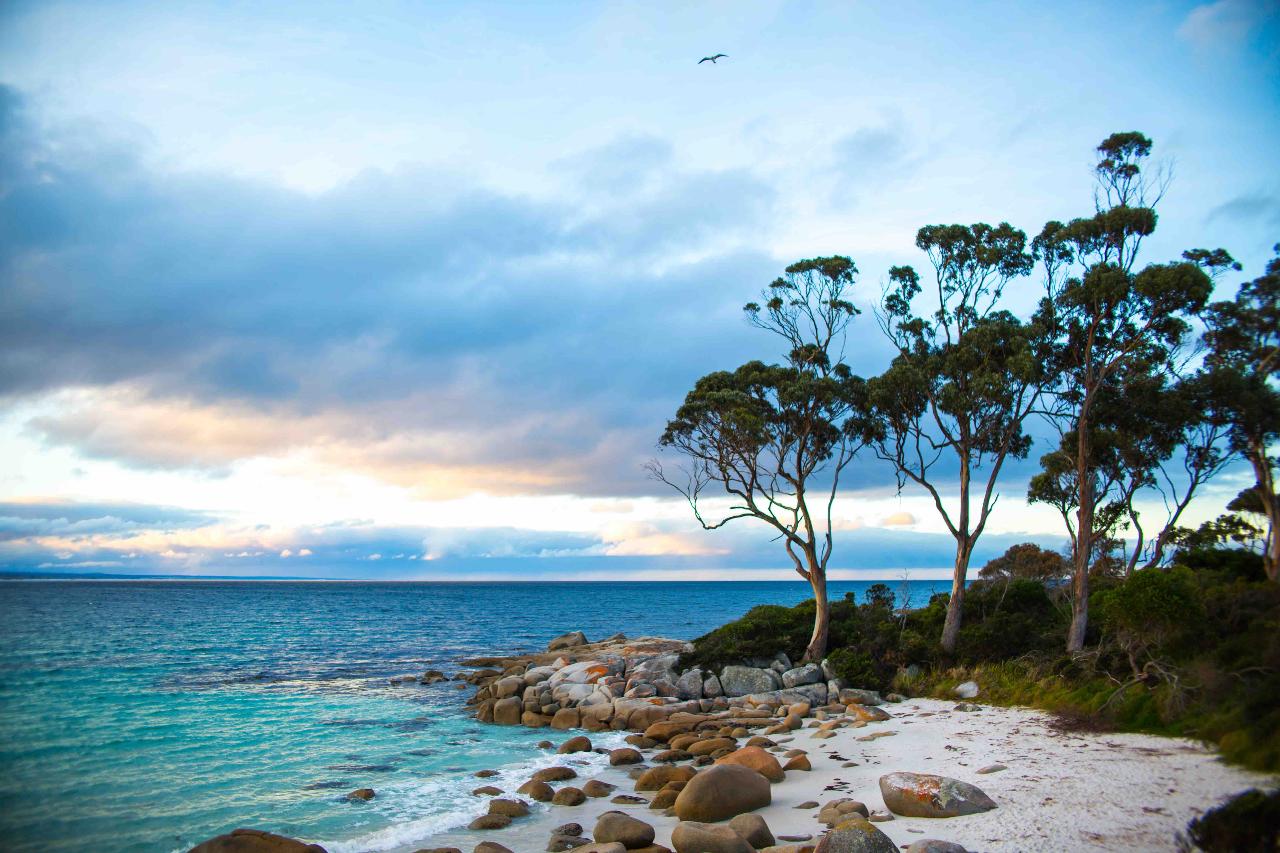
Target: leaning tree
[[770, 441]]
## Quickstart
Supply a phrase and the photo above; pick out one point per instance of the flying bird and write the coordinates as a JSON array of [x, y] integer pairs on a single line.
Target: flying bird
[[712, 59]]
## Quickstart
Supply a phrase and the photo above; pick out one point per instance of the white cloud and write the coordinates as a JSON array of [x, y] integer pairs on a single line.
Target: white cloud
[[1224, 23]]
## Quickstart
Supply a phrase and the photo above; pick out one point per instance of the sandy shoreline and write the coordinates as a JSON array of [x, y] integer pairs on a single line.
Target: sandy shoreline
[[1060, 791]]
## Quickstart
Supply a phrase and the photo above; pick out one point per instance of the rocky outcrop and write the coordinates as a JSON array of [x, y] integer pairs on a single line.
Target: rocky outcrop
[[745, 680], [926, 795], [567, 641]]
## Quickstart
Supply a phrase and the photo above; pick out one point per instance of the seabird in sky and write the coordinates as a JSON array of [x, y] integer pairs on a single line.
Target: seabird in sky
[[712, 59]]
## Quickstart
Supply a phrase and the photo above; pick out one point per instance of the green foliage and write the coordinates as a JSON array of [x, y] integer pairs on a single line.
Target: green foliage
[[1248, 823], [1149, 611]]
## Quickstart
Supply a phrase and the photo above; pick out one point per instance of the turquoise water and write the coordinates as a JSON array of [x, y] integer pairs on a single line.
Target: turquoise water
[[149, 716]]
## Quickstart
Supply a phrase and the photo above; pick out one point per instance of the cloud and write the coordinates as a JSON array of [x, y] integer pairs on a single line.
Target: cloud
[[1260, 208], [898, 519], [412, 324], [1224, 23]]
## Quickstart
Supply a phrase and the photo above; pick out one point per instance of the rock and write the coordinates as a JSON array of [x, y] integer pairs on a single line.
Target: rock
[[800, 762], [745, 680], [569, 796], [554, 774], [689, 685], [666, 729], [933, 845], [856, 835], [485, 774], [509, 808], [879, 817], [487, 791], [853, 696], [809, 673], [755, 758], [926, 795], [968, 690], [695, 837], [722, 791], [710, 745], [565, 843], [595, 788], [625, 755], [629, 800], [254, 841], [491, 847], [894, 697], [438, 850], [656, 778], [992, 768], [363, 794], [670, 756], [753, 828], [535, 789], [490, 821], [574, 744], [838, 811], [598, 847], [509, 686], [624, 829], [869, 713], [567, 718], [567, 641], [711, 687], [507, 712], [568, 829], [794, 837], [664, 799]]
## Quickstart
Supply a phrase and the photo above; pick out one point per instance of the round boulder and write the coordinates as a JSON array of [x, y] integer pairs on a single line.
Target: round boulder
[[625, 755], [656, 778], [536, 790], [491, 847], [554, 774], [856, 835], [623, 828], [569, 796], [721, 792], [753, 828], [755, 758], [490, 821], [254, 841], [596, 788], [710, 745], [575, 744], [926, 795], [510, 808], [695, 837]]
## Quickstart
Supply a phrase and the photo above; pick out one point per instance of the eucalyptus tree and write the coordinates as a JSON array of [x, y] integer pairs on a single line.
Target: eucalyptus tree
[[1112, 325], [770, 441], [952, 407], [1244, 356]]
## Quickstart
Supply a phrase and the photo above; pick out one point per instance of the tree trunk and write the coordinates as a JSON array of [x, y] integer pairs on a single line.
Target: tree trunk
[[1084, 541], [817, 648], [1266, 488], [951, 627]]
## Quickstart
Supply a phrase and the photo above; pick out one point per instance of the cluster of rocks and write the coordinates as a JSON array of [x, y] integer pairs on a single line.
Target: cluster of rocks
[[628, 685]]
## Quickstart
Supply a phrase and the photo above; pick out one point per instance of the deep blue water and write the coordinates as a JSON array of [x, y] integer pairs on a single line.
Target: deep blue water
[[151, 715]]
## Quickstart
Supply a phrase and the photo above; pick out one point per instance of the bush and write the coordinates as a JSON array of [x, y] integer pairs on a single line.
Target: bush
[[1248, 823], [1149, 611]]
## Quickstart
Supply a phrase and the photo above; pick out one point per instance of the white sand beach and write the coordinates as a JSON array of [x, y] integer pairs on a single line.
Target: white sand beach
[[1060, 791]]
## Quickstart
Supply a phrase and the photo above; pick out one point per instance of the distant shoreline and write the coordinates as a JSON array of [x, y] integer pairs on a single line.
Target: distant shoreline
[[23, 576]]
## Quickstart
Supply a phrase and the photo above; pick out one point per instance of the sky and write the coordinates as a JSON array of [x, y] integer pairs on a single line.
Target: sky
[[407, 290]]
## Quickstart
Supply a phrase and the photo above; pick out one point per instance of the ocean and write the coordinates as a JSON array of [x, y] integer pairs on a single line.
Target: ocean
[[151, 715]]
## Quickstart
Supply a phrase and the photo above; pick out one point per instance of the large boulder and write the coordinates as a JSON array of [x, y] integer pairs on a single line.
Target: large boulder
[[574, 744], [721, 792], [757, 759], [567, 641], [538, 790], [744, 680], [507, 712], [696, 837], [254, 841], [967, 690], [856, 835], [809, 673], [854, 696], [926, 795], [623, 828], [711, 687], [624, 755]]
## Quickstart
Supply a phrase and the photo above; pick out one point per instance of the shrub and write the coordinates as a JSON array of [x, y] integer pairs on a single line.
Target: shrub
[[1149, 611]]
